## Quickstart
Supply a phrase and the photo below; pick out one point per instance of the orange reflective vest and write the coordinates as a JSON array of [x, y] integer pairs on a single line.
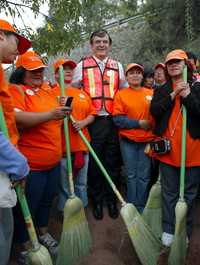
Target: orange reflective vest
[[101, 87]]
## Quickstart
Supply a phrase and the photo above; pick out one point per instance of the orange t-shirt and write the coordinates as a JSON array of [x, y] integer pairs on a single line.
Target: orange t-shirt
[[8, 108], [192, 145], [135, 105], [40, 144], [81, 108]]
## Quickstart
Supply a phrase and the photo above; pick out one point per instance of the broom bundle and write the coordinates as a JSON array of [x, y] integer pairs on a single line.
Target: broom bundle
[[147, 246], [152, 213], [38, 255], [75, 238]]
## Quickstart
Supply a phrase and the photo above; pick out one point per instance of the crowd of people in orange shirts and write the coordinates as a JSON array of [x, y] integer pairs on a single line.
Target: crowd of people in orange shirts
[[120, 113]]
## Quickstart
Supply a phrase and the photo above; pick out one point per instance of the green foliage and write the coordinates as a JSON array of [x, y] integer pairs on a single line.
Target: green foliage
[[9, 6], [69, 21], [60, 31], [162, 25]]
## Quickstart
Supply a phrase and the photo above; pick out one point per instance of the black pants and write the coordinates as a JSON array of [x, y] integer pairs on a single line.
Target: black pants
[[104, 140], [170, 193]]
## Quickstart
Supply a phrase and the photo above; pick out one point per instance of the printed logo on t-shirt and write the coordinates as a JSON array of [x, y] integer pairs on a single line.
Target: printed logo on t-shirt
[[82, 96], [29, 92], [148, 97]]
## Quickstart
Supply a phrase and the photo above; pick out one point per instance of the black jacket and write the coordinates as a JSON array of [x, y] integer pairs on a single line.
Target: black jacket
[[162, 106]]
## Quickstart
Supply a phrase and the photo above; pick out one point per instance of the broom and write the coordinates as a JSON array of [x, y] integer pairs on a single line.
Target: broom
[[147, 246], [38, 255], [179, 246], [153, 211], [75, 238]]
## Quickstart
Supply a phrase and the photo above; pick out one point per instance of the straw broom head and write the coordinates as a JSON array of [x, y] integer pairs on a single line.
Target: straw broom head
[[153, 212], [145, 243], [179, 246], [39, 257], [75, 239]]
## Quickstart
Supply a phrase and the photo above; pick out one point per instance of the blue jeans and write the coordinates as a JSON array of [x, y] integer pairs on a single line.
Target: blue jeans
[[170, 181], [80, 184], [6, 233], [137, 167], [41, 189]]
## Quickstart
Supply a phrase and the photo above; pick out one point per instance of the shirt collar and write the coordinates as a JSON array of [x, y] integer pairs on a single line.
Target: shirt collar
[[100, 61]]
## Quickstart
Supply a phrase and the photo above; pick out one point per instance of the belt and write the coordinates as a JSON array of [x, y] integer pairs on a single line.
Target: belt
[[103, 117]]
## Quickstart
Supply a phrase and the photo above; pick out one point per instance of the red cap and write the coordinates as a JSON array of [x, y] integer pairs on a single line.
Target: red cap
[[134, 65], [162, 65], [30, 61], [63, 62], [24, 44]]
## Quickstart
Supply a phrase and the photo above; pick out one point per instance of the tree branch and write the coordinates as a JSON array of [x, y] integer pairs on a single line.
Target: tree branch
[[23, 5]]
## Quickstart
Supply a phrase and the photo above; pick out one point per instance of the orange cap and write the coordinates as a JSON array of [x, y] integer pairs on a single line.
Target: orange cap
[[24, 44], [162, 65], [63, 62], [30, 61], [176, 54], [134, 65]]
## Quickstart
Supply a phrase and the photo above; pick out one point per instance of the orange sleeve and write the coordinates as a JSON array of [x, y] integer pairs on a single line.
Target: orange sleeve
[[92, 108], [118, 106], [18, 97]]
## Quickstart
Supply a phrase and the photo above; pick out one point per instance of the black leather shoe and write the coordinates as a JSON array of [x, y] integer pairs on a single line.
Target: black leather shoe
[[98, 211], [113, 210]]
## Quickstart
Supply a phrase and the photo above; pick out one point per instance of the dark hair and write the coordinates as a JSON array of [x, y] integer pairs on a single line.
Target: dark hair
[[148, 73], [191, 55], [100, 33], [8, 33], [17, 77]]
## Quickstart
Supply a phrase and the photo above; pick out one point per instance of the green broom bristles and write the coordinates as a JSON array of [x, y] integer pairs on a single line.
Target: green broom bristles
[[39, 257], [75, 239], [178, 248], [146, 245], [153, 211]]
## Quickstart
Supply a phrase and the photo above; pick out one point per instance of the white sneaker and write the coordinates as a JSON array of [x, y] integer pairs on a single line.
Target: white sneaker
[[50, 243], [167, 239]]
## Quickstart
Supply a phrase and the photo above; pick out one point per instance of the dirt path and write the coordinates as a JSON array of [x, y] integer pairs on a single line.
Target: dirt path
[[111, 244]]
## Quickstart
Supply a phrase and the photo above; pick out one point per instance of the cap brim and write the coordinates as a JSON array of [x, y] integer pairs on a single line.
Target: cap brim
[[159, 65], [23, 45], [70, 63], [135, 66], [174, 58], [32, 68]]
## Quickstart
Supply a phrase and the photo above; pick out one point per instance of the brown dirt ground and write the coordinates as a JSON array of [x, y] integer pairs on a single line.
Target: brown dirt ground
[[111, 244]]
